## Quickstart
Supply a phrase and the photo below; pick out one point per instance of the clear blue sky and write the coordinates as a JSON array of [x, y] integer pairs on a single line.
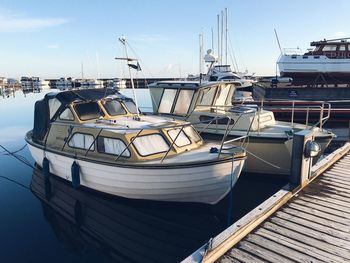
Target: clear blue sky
[[51, 39]]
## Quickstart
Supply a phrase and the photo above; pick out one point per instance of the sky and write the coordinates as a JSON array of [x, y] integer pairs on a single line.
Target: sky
[[62, 38]]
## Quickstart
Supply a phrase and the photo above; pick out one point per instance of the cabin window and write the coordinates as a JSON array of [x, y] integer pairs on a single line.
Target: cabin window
[[190, 132], [316, 57], [150, 144], [207, 96], [167, 100], [54, 104], [294, 56], [222, 94], [305, 57], [342, 48], [88, 111], [112, 146], [114, 107], [130, 105], [183, 101], [329, 48], [67, 115], [82, 141], [181, 140]]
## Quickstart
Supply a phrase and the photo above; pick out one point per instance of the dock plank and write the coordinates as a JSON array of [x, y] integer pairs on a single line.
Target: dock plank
[[330, 239], [330, 248], [297, 245], [243, 256], [279, 248], [314, 225], [262, 252], [316, 219]]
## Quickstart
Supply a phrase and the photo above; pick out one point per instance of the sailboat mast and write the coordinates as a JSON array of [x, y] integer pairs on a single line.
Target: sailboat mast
[[226, 36], [123, 41], [218, 24]]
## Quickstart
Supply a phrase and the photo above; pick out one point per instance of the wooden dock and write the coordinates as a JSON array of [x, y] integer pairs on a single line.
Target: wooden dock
[[306, 223]]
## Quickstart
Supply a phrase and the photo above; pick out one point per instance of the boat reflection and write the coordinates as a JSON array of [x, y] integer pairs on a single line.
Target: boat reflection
[[122, 230]]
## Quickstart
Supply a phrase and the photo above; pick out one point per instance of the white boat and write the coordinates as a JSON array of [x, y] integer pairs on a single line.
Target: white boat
[[121, 152], [328, 61], [268, 141]]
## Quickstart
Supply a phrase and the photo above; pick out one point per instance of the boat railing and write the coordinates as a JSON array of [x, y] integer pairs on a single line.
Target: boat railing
[[324, 109], [139, 130], [292, 51], [297, 106]]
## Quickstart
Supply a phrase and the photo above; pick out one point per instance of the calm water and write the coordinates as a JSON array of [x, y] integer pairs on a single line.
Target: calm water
[[55, 223]]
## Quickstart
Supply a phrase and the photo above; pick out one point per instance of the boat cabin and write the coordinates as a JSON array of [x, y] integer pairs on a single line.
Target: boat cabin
[[335, 49], [102, 124], [202, 103]]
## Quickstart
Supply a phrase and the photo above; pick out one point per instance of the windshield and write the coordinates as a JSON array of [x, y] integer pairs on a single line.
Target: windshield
[[114, 107], [130, 105], [88, 111]]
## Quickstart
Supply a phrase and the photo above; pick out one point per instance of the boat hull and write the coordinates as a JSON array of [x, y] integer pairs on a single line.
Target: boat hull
[[314, 69], [203, 183], [270, 156]]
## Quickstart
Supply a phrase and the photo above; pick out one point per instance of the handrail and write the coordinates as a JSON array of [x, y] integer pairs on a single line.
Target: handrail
[[171, 145], [324, 108], [127, 146]]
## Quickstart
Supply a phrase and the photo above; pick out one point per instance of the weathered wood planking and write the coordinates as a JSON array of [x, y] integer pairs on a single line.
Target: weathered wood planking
[[313, 226]]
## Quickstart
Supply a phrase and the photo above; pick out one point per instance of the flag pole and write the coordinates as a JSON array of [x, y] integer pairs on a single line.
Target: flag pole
[[122, 39]]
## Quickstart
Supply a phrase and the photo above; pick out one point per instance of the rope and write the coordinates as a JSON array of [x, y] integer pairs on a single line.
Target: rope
[[261, 159], [20, 158], [229, 214], [14, 181]]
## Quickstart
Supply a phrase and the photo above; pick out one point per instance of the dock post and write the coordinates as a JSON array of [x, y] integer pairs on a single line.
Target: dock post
[[303, 150]]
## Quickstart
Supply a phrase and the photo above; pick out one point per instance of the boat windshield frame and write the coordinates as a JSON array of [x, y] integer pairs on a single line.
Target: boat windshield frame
[[83, 113]]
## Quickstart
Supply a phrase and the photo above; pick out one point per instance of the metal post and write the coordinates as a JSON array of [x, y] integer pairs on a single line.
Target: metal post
[[300, 164]]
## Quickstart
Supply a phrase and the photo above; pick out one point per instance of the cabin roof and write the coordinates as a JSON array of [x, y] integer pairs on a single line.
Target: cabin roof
[[66, 97], [186, 84], [338, 41]]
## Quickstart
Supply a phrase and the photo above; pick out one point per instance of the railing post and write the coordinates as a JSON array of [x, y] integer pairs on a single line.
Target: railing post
[[301, 162]]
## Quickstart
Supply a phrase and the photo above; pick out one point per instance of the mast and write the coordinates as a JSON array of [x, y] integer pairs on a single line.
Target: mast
[[218, 24], [222, 35], [278, 41], [122, 39], [226, 35], [200, 54]]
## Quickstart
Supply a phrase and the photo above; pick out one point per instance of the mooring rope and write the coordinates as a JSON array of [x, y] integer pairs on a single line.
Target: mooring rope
[[14, 154]]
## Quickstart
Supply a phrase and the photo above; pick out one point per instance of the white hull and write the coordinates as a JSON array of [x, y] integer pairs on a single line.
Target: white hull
[[312, 64], [267, 155], [203, 184]]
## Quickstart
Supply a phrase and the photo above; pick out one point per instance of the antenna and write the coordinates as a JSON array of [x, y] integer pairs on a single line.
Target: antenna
[[212, 39], [82, 70], [200, 53], [278, 41], [122, 40]]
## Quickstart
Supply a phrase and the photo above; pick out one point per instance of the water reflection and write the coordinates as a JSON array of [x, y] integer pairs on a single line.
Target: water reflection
[[123, 230]]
